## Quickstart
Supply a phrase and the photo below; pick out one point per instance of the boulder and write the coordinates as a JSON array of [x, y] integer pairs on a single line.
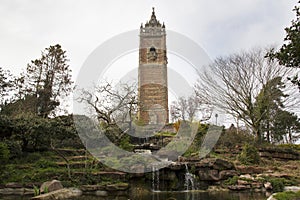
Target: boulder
[[101, 193], [117, 186], [256, 185], [50, 186], [292, 188], [15, 191], [65, 193], [13, 185], [225, 174], [239, 187], [250, 169], [272, 197], [268, 186], [209, 175], [242, 182], [215, 163], [92, 188], [247, 176]]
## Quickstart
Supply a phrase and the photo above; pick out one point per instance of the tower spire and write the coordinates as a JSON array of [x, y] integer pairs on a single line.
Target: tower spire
[[153, 22]]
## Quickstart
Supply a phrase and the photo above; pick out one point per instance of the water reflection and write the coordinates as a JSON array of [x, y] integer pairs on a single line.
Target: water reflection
[[185, 196], [195, 195]]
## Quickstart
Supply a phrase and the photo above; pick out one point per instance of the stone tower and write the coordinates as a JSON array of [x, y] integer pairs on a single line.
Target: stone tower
[[152, 73]]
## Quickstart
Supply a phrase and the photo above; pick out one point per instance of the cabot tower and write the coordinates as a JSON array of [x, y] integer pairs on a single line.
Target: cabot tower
[[152, 73]]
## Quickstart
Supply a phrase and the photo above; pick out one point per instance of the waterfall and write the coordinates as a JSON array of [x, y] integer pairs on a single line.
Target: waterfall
[[155, 179], [189, 179]]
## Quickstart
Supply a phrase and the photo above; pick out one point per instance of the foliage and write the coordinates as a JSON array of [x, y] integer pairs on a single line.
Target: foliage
[[268, 109], [165, 134], [240, 83], [277, 184], [14, 147], [288, 195], [295, 147], [231, 181], [33, 132], [46, 80], [249, 155], [6, 85], [194, 148], [177, 125], [285, 127], [289, 53], [233, 137], [5, 126], [36, 190], [125, 143], [4, 153]]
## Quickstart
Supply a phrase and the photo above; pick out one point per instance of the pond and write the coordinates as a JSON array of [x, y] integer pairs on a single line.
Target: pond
[[194, 195], [187, 196]]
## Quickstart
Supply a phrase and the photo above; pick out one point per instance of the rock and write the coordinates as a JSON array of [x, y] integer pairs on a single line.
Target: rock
[[242, 182], [92, 188], [268, 186], [138, 168], [215, 175], [168, 175], [220, 164], [65, 193], [50, 186], [12, 191], [280, 175], [272, 197], [101, 193], [16, 191], [239, 187], [247, 176], [117, 186], [292, 188], [250, 169], [256, 185], [217, 164], [13, 185], [225, 174], [208, 175], [176, 166]]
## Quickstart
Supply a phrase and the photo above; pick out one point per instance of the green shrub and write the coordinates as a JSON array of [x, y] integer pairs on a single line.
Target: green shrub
[[15, 148], [277, 184], [249, 155], [43, 163], [288, 195], [4, 153], [125, 143], [232, 137], [295, 147], [36, 190], [231, 181]]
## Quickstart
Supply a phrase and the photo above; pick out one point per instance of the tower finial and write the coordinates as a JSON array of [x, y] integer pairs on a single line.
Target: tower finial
[[153, 10]]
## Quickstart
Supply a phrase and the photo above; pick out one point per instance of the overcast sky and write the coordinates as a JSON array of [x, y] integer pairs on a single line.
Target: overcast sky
[[220, 27]]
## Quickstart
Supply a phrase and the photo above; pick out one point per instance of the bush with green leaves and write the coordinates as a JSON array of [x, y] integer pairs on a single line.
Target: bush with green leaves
[[4, 153], [231, 181], [288, 195], [249, 155], [232, 137]]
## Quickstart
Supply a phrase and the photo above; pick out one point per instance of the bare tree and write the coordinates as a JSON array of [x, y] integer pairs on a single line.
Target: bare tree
[[188, 108], [111, 104], [233, 84]]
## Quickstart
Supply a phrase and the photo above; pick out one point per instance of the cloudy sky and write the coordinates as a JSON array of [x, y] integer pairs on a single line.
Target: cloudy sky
[[220, 27]]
